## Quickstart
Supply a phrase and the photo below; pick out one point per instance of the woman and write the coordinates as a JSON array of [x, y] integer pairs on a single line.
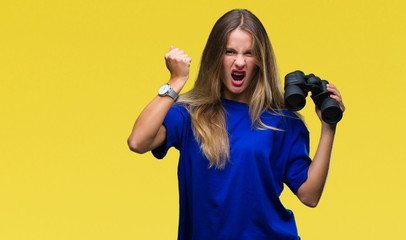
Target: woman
[[237, 144]]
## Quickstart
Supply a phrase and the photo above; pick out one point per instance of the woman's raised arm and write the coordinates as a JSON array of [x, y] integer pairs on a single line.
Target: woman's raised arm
[[148, 131], [311, 190]]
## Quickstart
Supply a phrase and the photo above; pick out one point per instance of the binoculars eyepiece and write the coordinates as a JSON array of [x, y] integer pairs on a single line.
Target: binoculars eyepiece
[[297, 85]]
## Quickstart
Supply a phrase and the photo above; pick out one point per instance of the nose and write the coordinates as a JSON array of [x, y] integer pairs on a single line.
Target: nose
[[240, 61]]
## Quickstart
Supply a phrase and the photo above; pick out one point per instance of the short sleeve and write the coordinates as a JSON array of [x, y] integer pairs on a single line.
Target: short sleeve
[[298, 161], [174, 122]]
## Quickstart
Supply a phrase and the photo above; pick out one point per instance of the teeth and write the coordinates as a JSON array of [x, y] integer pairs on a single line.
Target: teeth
[[238, 76]]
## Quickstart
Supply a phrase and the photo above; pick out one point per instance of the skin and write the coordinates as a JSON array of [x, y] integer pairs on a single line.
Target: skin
[[311, 190], [238, 58], [149, 132]]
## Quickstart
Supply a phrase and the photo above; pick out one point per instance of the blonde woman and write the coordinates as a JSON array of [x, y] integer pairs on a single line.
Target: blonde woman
[[237, 144]]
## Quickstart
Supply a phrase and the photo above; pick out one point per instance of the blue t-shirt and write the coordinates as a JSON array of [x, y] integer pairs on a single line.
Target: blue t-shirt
[[240, 201]]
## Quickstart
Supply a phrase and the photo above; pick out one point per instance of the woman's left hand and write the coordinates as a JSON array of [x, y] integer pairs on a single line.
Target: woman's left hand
[[336, 96], [311, 190]]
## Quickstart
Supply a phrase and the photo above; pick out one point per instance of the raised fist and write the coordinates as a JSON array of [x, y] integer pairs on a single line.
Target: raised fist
[[178, 63]]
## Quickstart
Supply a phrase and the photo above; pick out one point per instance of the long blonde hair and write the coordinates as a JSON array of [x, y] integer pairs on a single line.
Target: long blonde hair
[[204, 99]]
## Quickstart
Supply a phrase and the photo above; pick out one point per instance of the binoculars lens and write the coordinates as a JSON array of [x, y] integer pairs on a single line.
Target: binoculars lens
[[331, 111], [294, 98]]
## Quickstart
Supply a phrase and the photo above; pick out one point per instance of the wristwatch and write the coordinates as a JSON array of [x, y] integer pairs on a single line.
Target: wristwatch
[[166, 90]]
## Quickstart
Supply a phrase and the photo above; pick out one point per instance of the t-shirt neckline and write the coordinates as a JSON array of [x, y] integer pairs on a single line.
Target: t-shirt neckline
[[232, 103]]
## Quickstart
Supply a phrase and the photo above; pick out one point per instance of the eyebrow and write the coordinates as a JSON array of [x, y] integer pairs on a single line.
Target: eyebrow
[[230, 48]]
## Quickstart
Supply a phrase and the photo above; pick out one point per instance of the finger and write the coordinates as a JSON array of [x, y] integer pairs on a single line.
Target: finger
[[183, 56], [335, 97], [335, 92], [188, 60], [180, 56], [173, 49], [169, 53], [331, 88], [172, 54], [179, 53], [339, 100]]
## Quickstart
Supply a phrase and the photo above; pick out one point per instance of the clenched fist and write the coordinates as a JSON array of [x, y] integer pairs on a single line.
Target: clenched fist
[[178, 64]]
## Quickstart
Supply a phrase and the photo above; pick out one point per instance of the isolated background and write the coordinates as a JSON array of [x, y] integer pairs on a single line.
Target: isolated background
[[74, 75]]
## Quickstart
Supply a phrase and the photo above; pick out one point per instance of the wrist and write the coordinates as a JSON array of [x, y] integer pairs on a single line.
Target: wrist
[[328, 128], [177, 83]]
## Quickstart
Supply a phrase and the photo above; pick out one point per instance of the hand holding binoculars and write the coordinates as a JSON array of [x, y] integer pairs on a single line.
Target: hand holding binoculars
[[297, 85]]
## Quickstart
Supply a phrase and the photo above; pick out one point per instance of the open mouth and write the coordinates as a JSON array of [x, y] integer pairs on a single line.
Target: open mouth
[[238, 75]]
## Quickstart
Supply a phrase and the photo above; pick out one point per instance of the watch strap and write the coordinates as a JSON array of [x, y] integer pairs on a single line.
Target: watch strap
[[169, 92], [172, 94]]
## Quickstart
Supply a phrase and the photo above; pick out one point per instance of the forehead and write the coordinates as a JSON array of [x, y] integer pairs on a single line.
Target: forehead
[[239, 39]]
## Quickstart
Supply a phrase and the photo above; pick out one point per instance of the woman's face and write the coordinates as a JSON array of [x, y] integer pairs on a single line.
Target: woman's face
[[238, 66]]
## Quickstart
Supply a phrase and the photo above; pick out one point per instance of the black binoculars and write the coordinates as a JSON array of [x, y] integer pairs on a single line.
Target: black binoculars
[[297, 85]]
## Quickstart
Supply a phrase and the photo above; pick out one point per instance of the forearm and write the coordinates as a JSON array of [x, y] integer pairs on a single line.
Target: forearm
[[148, 124], [148, 131], [311, 190]]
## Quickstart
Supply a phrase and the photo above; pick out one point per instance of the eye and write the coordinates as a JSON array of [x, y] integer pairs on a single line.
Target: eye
[[249, 53], [230, 52]]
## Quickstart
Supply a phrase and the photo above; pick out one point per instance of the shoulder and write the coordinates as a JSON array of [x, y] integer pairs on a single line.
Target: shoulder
[[287, 120], [179, 107], [178, 112]]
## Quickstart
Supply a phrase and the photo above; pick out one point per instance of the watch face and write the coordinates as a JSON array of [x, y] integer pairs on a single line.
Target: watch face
[[164, 89]]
